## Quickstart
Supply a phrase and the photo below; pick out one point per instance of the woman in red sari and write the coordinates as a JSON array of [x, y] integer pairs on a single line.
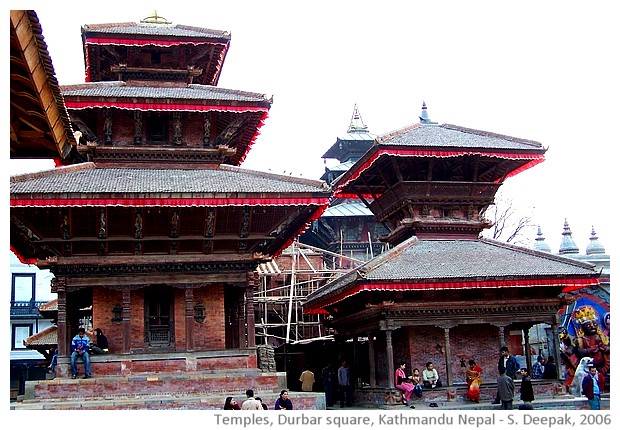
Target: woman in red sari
[[473, 376], [403, 382]]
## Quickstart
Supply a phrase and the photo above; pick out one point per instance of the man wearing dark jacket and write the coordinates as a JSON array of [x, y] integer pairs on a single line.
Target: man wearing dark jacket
[[507, 364], [592, 387]]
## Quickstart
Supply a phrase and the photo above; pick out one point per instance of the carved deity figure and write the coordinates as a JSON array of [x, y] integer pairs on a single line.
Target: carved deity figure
[[590, 341]]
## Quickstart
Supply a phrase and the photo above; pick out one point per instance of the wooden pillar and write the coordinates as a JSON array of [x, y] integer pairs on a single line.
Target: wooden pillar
[[252, 282], [501, 338], [448, 355], [241, 319], [371, 361], [528, 357], [189, 319], [556, 349], [60, 285], [390, 357], [126, 320]]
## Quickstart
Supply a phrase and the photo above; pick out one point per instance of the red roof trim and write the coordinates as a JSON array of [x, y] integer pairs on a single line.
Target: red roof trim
[[535, 159], [154, 42], [569, 284], [260, 124], [21, 258], [73, 104], [181, 202], [143, 42]]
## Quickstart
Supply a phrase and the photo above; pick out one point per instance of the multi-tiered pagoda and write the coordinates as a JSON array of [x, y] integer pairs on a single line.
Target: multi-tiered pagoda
[[151, 228], [443, 293]]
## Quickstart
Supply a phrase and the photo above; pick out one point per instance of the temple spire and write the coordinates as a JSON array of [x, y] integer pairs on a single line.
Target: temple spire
[[424, 119], [568, 246], [594, 247], [540, 244], [154, 18], [357, 124]]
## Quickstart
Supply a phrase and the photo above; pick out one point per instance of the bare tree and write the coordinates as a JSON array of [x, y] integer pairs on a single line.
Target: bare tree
[[511, 223]]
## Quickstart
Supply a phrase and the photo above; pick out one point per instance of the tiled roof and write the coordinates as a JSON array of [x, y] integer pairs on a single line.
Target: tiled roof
[[441, 260], [119, 89], [88, 180], [452, 136], [47, 337], [154, 30]]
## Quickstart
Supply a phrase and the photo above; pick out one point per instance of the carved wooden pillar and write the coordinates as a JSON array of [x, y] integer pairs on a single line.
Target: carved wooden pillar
[[556, 348], [371, 361], [447, 354], [502, 339], [252, 281], [390, 357], [137, 122], [59, 286], [189, 319], [528, 357], [241, 319], [126, 320], [107, 126]]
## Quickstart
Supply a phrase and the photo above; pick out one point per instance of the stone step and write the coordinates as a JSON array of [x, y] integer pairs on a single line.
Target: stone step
[[202, 401], [174, 384]]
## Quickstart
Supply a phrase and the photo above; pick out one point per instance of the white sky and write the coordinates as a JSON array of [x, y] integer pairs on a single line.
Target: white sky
[[545, 71]]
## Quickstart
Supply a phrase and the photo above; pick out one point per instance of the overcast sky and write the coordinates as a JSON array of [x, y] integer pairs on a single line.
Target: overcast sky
[[545, 71]]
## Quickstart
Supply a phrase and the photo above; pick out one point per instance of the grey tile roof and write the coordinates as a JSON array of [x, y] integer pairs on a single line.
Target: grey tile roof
[[452, 136], [441, 260], [154, 30], [119, 89], [88, 180]]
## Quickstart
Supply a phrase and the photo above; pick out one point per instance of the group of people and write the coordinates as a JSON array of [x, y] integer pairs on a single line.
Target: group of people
[[345, 388], [82, 347], [416, 382], [544, 368], [283, 403]]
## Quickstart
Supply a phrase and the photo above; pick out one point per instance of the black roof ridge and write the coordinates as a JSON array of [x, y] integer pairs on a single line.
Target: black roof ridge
[[491, 134]]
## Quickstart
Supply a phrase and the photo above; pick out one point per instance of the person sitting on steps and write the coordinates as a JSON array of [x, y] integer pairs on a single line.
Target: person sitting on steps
[[430, 376]]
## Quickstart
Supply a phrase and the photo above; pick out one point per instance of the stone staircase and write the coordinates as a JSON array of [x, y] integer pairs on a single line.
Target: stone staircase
[[176, 390]]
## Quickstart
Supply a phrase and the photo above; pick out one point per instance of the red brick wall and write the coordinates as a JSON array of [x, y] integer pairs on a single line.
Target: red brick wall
[[104, 300], [211, 334]]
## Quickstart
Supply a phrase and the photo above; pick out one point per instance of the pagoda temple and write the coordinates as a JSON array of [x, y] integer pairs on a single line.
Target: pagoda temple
[[152, 230], [442, 293]]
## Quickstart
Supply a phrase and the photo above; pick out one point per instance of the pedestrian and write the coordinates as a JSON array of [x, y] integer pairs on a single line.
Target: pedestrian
[[473, 378], [261, 402], [526, 390], [508, 364], [327, 378], [551, 371], [344, 384], [283, 402], [538, 368], [231, 404], [307, 380], [250, 403], [592, 386], [506, 389], [79, 348]]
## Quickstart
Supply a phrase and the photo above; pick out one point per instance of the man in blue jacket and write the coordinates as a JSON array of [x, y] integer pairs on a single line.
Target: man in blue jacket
[[79, 348]]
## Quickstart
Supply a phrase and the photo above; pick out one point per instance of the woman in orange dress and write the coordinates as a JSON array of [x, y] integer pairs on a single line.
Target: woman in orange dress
[[473, 376]]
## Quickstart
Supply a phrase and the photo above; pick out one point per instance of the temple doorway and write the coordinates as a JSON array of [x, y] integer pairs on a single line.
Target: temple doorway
[[158, 319]]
